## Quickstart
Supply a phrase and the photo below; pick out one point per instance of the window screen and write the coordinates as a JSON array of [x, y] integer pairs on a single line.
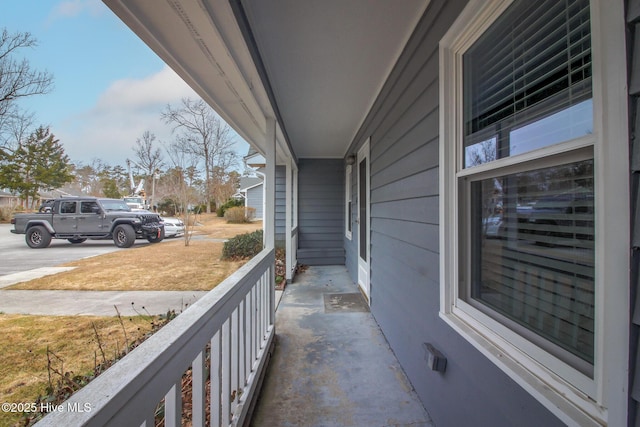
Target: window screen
[[527, 80]]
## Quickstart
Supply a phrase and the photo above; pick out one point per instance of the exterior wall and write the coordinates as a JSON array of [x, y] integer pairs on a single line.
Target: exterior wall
[[255, 200], [404, 129], [281, 205], [321, 211], [633, 42], [9, 201]]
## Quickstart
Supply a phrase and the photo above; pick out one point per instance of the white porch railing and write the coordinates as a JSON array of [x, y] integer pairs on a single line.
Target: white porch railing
[[233, 324]]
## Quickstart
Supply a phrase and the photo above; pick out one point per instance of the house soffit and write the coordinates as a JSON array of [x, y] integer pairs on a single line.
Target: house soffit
[[326, 62]]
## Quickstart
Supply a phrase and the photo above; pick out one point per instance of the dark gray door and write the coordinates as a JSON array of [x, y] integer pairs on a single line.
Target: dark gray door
[[64, 221], [90, 218]]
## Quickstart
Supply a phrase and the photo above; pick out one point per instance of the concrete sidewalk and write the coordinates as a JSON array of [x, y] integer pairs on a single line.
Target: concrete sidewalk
[[96, 303], [24, 276]]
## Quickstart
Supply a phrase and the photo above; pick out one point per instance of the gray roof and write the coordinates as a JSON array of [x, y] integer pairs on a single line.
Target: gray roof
[[249, 181]]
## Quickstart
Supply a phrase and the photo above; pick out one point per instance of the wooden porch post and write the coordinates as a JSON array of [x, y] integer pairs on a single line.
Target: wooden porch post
[[270, 186], [269, 215], [289, 222]]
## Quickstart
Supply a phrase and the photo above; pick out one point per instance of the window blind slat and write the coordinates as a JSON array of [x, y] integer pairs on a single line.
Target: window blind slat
[[508, 57], [540, 78]]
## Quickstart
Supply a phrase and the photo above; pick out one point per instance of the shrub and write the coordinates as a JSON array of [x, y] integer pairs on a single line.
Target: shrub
[[243, 246], [239, 215], [231, 203], [198, 209], [168, 206], [5, 214]]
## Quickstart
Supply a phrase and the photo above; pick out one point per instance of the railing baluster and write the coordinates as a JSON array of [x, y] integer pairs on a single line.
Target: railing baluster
[[265, 306], [263, 318], [173, 405], [242, 347], [271, 277], [254, 320], [198, 396], [235, 387], [225, 395], [216, 379]]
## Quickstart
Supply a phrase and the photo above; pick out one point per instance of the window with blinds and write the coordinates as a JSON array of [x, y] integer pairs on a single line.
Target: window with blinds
[[527, 80], [528, 245]]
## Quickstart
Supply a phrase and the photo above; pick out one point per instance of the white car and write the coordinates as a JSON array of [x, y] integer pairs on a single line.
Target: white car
[[173, 227]]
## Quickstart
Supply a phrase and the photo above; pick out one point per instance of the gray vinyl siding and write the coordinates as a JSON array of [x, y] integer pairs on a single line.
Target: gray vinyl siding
[[633, 41], [281, 206], [321, 211], [405, 291], [255, 200]]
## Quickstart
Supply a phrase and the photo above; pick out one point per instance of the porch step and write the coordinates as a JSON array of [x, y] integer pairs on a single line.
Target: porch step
[[321, 256]]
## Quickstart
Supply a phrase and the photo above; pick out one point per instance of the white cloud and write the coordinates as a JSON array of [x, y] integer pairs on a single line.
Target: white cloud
[[72, 8], [127, 109], [162, 87]]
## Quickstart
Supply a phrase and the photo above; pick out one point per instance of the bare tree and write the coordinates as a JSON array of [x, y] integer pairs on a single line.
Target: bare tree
[[202, 133], [181, 180], [149, 158], [15, 127], [17, 80]]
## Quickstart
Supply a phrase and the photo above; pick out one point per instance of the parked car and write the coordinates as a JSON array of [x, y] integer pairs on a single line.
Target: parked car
[[173, 227], [77, 219]]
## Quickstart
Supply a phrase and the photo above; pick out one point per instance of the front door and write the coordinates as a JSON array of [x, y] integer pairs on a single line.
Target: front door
[[363, 219]]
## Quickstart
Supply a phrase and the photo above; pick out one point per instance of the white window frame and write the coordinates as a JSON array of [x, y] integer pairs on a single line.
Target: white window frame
[[573, 397], [347, 198]]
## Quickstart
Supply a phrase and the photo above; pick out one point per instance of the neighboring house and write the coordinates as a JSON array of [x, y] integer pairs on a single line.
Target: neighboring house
[[252, 190], [11, 201], [399, 131], [8, 200]]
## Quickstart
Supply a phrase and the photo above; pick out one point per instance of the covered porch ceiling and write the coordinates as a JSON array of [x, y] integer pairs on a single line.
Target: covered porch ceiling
[[317, 66]]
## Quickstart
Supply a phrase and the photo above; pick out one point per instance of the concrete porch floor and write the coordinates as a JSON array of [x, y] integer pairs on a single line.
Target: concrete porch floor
[[331, 365]]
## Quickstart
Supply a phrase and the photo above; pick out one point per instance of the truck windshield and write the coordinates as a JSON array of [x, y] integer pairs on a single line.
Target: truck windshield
[[114, 205]]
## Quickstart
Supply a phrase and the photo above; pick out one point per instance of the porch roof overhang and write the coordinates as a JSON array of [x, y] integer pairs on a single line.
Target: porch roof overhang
[[316, 66]]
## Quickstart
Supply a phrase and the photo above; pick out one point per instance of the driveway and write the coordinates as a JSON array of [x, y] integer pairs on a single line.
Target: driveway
[[16, 256]]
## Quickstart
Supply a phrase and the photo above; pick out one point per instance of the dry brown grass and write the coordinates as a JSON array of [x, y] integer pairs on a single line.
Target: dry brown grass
[[23, 351], [166, 266]]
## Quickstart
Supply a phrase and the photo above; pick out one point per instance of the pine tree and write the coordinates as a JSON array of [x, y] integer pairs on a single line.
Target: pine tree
[[38, 164]]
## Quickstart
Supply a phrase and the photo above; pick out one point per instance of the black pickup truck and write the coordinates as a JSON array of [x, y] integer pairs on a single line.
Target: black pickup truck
[[80, 218]]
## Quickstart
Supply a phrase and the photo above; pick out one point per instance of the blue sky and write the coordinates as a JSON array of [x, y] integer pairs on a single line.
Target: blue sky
[[109, 87]]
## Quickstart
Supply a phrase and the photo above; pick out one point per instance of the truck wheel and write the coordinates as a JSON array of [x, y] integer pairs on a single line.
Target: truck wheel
[[157, 237], [38, 237], [76, 240], [124, 236]]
